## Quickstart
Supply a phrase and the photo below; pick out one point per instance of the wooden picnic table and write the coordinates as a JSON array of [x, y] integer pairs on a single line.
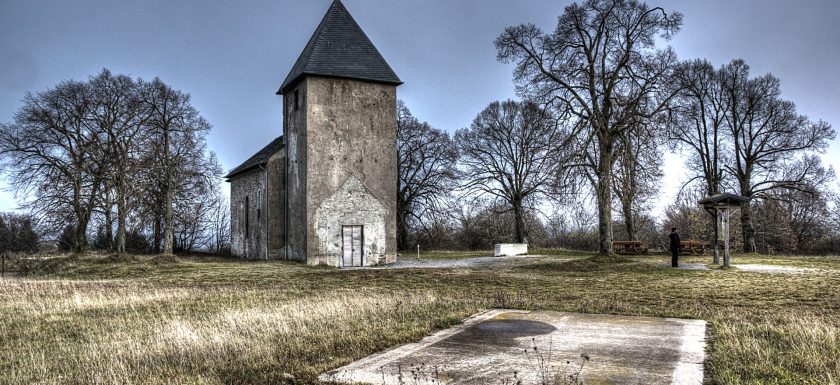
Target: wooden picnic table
[[630, 247], [694, 247]]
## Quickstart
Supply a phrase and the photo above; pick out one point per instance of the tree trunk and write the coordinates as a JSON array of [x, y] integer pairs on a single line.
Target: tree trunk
[[80, 237], [121, 233], [402, 231], [109, 228], [121, 215], [157, 233], [82, 220], [169, 232], [519, 218], [747, 228], [629, 224], [605, 234], [711, 190], [168, 236], [603, 191]]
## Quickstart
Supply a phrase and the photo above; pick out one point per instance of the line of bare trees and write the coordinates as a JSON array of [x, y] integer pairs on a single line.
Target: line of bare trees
[[602, 99], [119, 154], [745, 138], [17, 233]]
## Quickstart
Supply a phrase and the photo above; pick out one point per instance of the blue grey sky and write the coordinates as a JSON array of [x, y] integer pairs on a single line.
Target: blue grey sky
[[232, 56]]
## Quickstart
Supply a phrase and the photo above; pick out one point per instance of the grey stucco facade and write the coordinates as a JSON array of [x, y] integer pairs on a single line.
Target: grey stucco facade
[[294, 128], [344, 168], [276, 206], [325, 191], [246, 211]]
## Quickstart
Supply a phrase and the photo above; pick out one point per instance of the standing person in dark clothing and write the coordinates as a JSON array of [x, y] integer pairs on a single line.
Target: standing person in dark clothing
[[675, 246]]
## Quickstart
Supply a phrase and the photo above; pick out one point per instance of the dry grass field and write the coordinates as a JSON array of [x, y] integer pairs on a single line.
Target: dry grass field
[[138, 320]]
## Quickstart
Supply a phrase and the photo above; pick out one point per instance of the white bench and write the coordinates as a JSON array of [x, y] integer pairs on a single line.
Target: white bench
[[510, 249]]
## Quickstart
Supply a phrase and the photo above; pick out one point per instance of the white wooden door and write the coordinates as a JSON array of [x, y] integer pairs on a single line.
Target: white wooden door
[[352, 249]]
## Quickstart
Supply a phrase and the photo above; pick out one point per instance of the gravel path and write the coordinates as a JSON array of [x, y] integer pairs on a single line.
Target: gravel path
[[414, 263], [775, 269], [481, 262], [692, 266], [753, 268]]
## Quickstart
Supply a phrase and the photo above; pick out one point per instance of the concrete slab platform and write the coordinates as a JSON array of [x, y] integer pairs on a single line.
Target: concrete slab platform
[[502, 346]]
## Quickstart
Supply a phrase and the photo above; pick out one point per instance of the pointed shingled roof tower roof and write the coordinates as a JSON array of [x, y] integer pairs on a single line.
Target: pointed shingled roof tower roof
[[339, 48]]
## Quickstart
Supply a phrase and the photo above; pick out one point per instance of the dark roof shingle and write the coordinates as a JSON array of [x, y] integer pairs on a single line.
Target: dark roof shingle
[[340, 48], [261, 157], [724, 198]]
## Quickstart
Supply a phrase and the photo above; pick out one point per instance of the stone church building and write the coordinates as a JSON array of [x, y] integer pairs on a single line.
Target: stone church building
[[325, 191]]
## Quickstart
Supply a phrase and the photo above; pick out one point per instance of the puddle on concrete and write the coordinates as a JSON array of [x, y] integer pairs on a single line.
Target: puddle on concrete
[[498, 333], [513, 328]]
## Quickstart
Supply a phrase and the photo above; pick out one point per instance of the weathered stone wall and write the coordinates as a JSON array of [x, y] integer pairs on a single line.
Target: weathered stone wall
[[276, 205], [353, 204], [350, 134], [248, 242], [294, 129]]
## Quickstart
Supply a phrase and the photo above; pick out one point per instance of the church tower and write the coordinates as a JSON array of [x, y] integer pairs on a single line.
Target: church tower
[[339, 125]]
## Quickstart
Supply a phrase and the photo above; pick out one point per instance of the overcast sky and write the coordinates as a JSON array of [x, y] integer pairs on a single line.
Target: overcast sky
[[231, 56]]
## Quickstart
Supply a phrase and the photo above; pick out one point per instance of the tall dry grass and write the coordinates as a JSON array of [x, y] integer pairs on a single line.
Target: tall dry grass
[[229, 322], [128, 332], [785, 347]]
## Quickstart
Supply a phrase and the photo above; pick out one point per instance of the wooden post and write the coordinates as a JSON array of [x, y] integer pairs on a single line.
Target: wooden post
[[716, 260], [722, 206], [726, 253], [418, 251], [3, 268]]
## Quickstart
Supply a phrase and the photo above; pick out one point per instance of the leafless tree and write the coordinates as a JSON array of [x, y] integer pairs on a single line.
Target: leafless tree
[[511, 152], [118, 118], [48, 152], [834, 211], [195, 199], [152, 196], [426, 170], [485, 222], [637, 175], [773, 145], [574, 228], [698, 126], [686, 215], [178, 133], [84, 150], [439, 229], [601, 69], [699, 123], [808, 215], [219, 223], [17, 233]]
